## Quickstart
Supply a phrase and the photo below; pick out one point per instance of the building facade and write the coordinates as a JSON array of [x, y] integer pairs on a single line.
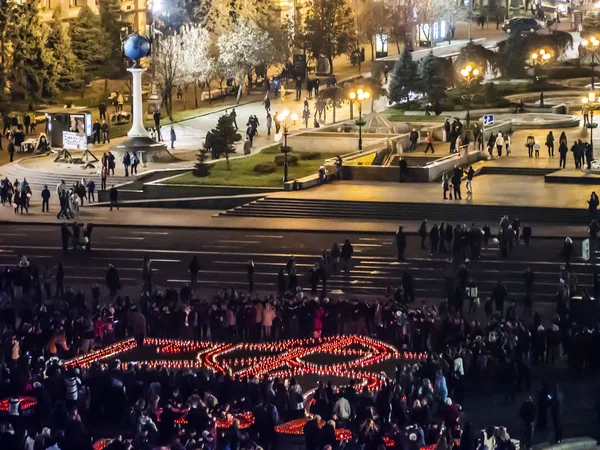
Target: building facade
[[133, 12]]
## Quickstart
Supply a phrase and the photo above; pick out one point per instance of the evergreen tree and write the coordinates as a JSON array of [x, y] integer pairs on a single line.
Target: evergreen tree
[[33, 73], [201, 169], [59, 42], [224, 137], [404, 78], [6, 21], [433, 81], [89, 41], [110, 19]]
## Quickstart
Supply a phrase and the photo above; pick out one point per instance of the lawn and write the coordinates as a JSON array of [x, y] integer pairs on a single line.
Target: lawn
[[242, 172]]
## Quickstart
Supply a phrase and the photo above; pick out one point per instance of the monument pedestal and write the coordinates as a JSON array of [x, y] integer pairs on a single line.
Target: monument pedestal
[[139, 141], [152, 151]]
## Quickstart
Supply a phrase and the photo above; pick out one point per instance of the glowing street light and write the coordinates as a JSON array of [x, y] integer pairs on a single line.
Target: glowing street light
[[359, 96], [470, 74], [539, 59], [286, 120]]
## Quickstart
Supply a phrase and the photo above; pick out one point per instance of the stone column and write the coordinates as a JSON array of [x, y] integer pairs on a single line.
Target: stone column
[[137, 119]]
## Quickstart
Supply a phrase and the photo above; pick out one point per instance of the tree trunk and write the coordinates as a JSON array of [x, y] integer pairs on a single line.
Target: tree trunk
[[372, 103], [372, 50], [334, 113], [330, 59], [239, 94], [185, 87], [196, 95], [397, 44]]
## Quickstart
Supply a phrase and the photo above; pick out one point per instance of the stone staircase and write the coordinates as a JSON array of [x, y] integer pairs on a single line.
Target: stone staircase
[[37, 179], [281, 207]]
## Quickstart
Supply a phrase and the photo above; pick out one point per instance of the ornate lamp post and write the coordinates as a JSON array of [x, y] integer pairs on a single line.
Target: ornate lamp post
[[359, 97], [591, 45], [469, 74], [592, 103], [286, 120], [539, 59]]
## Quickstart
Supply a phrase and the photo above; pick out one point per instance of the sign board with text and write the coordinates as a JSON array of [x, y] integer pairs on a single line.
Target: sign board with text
[[74, 141]]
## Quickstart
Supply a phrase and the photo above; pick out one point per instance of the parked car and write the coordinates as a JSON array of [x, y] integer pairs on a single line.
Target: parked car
[[521, 25]]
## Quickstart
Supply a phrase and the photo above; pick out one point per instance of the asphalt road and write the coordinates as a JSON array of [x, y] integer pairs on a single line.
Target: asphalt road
[[224, 254]]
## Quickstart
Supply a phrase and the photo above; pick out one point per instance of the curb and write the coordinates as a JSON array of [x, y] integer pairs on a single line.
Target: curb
[[248, 228]]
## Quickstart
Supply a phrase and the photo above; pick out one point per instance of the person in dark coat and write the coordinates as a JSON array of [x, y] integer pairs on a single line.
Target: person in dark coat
[[65, 235], [112, 280], [527, 413], [403, 166], [400, 243], [527, 234], [414, 139], [434, 238], [562, 151], [113, 196], [556, 409], [312, 433], [423, 233], [543, 403], [499, 294], [408, 285]]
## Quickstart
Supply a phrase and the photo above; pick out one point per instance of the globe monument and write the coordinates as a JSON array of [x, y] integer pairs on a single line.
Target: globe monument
[[138, 140]]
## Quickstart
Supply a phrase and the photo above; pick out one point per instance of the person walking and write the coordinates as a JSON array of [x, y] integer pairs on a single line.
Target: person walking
[[104, 130], [536, 147], [91, 187], [429, 141], [173, 137], [96, 131], [529, 143], [126, 163], [556, 410], [414, 138], [103, 177], [269, 123], [346, 255], [550, 144], [113, 196], [470, 175], [45, 198], [527, 413], [194, 268], [400, 242], [500, 143], [157, 116], [434, 239], [562, 151], [135, 160], [102, 110], [423, 233], [446, 186], [233, 116]]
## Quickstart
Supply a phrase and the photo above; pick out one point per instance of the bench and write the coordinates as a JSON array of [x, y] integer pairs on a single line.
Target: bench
[[302, 183]]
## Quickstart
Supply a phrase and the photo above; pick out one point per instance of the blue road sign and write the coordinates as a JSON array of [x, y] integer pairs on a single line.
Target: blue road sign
[[488, 120]]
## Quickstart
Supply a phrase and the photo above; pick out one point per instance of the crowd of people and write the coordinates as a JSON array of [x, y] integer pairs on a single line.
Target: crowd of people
[[418, 405]]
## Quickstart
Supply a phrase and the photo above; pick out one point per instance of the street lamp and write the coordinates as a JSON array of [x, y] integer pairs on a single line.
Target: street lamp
[[286, 120], [591, 45], [540, 58], [469, 74], [592, 103], [359, 96]]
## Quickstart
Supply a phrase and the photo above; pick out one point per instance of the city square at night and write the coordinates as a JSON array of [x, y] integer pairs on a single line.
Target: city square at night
[[299, 224]]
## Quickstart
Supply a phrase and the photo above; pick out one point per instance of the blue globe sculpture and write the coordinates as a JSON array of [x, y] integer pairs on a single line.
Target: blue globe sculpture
[[136, 47]]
